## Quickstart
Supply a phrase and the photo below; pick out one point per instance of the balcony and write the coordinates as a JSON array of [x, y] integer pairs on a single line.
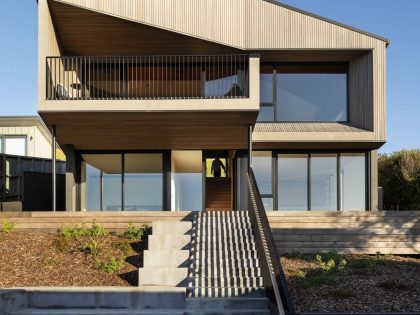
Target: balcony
[[147, 77]]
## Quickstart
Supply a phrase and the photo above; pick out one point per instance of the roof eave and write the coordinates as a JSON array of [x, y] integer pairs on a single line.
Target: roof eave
[[384, 39]]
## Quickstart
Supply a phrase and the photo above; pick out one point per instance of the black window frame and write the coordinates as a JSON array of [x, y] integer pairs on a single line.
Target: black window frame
[[304, 68], [166, 169], [274, 184]]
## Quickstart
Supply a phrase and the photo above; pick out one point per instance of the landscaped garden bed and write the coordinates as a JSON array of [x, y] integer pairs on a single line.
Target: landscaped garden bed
[[353, 283], [74, 256]]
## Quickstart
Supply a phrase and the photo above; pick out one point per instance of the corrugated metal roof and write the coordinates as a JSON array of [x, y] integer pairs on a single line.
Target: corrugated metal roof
[[306, 127]]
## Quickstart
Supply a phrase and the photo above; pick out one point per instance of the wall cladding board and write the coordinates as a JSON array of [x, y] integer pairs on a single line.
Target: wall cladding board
[[257, 25]]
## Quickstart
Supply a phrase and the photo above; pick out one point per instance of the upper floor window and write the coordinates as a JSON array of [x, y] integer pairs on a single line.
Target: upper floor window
[[303, 93]]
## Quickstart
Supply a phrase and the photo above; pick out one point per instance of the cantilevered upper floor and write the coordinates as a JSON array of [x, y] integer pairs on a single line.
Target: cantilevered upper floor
[[195, 73]]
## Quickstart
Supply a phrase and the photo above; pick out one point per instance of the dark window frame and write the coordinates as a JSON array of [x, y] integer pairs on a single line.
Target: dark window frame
[[338, 153], [166, 169], [304, 68]]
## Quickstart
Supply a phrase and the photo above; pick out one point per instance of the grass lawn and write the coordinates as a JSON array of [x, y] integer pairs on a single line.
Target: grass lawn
[[74, 256], [353, 283]]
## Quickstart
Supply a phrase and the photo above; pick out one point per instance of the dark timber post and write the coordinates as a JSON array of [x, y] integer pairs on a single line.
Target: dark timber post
[[53, 170], [249, 146]]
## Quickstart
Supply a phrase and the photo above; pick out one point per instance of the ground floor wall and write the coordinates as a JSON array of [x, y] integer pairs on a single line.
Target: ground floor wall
[[176, 180]]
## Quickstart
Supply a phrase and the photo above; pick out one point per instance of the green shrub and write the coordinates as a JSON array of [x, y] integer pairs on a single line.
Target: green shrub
[[301, 274], [7, 226], [72, 231], [92, 247], [125, 247], [97, 230], [112, 265], [135, 233]]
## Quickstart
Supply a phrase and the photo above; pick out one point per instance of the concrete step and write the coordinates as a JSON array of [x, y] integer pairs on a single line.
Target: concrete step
[[100, 311], [166, 258], [237, 271], [232, 262], [226, 303], [171, 228], [163, 276], [225, 281], [145, 297], [202, 250], [168, 242], [229, 312], [239, 292]]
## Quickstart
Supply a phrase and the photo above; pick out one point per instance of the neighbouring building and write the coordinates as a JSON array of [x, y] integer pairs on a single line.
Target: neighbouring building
[[144, 96], [25, 136], [25, 165]]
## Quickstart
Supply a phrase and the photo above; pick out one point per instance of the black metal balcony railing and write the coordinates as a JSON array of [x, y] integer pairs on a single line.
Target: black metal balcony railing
[[147, 77]]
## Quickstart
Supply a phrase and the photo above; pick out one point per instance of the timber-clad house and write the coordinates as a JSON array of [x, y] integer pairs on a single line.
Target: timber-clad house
[[144, 95]]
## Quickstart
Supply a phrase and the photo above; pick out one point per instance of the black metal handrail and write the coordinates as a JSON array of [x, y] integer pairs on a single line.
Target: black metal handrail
[[147, 77], [272, 271]]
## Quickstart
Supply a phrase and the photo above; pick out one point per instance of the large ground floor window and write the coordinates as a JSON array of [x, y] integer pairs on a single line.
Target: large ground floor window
[[127, 181], [324, 181]]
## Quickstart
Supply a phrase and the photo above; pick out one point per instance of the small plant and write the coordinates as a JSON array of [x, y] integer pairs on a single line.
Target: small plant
[[125, 247], [96, 230], [92, 247], [134, 233], [112, 265], [73, 231], [301, 274], [7, 226]]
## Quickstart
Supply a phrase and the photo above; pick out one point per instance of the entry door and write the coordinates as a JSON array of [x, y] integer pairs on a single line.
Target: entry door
[[218, 180]]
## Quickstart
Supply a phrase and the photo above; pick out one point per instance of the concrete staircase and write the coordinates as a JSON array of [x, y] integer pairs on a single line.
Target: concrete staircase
[[224, 276], [207, 266], [166, 261]]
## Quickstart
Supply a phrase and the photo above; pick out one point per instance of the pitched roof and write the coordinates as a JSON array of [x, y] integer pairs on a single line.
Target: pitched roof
[[386, 40]]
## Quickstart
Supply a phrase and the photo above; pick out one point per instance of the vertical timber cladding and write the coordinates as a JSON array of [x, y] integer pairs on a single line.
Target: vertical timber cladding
[[361, 91], [258, 25]]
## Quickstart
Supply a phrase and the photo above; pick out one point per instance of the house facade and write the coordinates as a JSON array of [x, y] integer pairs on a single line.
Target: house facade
[[163, 105], [25, 136]]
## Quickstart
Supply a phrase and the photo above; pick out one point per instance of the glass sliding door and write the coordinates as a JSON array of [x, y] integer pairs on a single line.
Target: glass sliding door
[[323, 179], [352, 181], [143, 182], [91, 190], [101, 182], [292, 174], [262, 165], [187, 180], [122, 181]]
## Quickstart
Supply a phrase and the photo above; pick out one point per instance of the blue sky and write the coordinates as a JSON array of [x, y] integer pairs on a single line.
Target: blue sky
[[397, 20]]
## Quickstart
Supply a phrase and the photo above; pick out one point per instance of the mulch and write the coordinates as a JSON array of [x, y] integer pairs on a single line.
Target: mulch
[[35, 259], [363, 286]]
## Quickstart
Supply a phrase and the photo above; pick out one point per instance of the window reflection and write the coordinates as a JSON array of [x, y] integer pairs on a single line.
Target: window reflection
[[353, 181], [324, 182], [293, 181], [143, 182], [187, 181], [311, 97], [262, 167]]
